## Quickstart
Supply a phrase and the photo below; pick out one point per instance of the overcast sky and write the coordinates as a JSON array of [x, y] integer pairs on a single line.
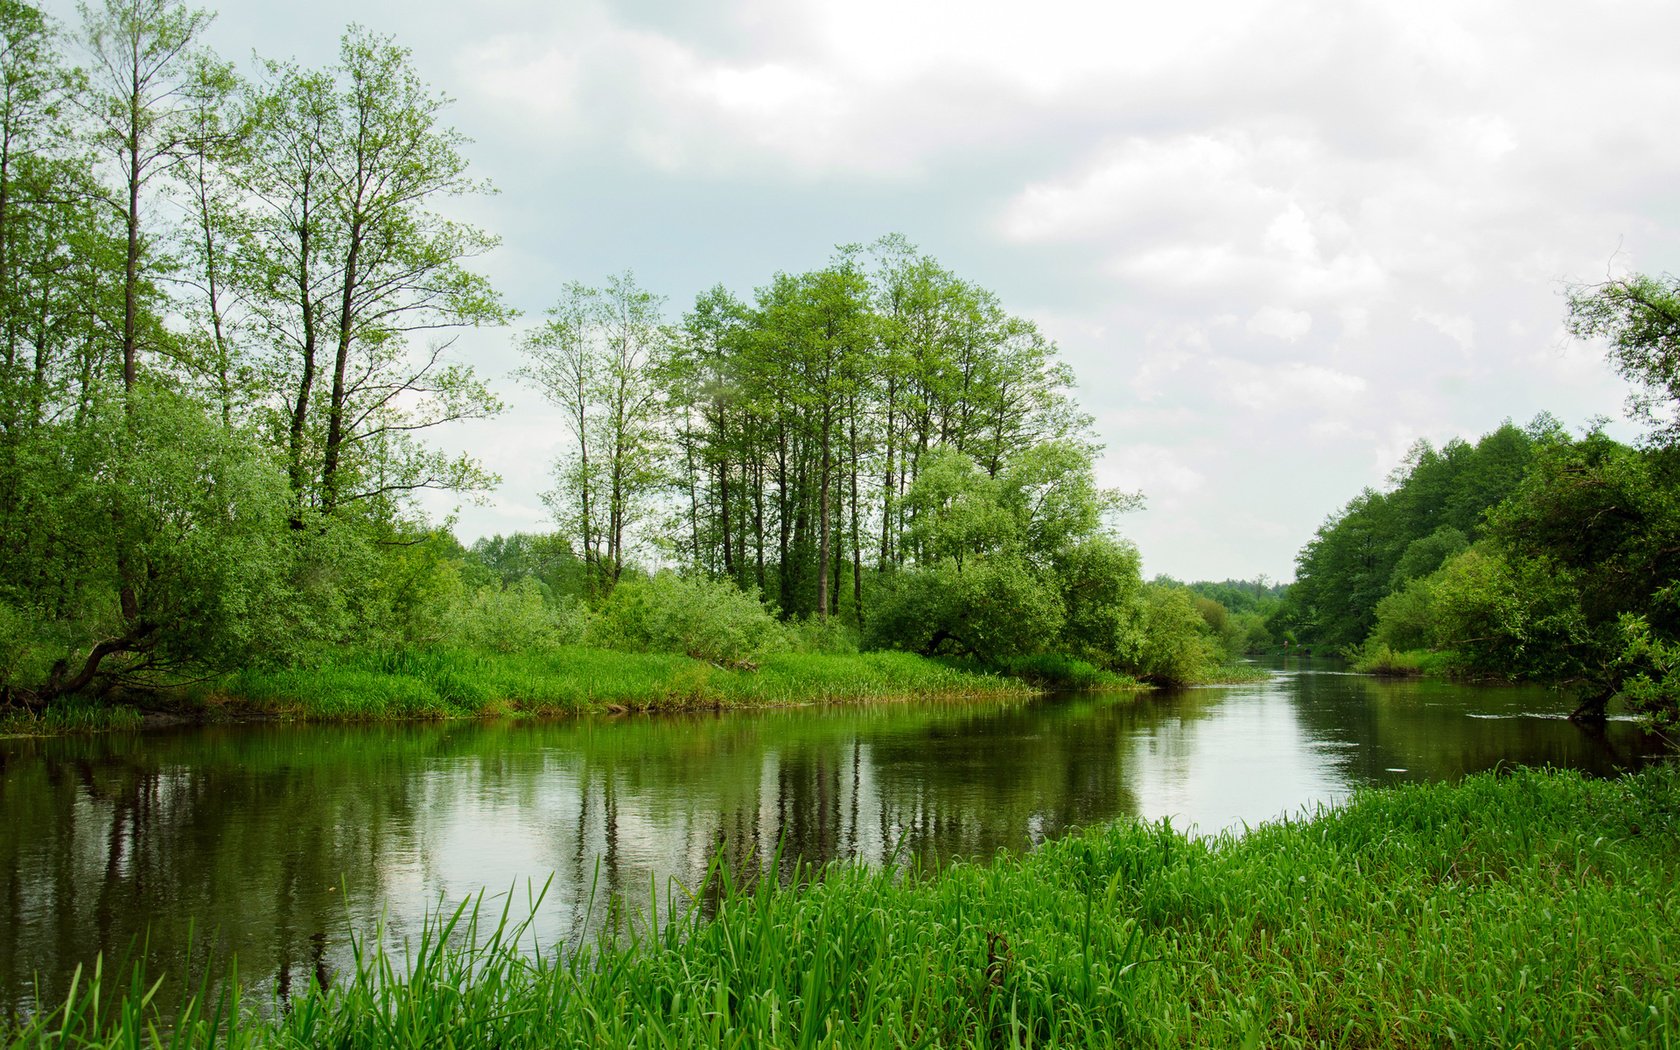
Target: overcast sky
[[1277, 242]]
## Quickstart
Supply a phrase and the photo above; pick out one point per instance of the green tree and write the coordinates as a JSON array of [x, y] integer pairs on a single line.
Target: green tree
[[598, 358], [1639, 317], [348, 264]]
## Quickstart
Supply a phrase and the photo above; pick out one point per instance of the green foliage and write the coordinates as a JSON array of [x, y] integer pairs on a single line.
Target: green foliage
[[1423, 556], [1640, 318], [1361, 554], [709, 620], [1176, 645], [957, 511], [1057, 671], [1406, 618], [515, 618], [1648, 672], [1102, 594], [812, 634], [996, 609]]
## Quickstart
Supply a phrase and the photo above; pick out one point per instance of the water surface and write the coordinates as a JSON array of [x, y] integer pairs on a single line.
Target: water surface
[[278, 842]]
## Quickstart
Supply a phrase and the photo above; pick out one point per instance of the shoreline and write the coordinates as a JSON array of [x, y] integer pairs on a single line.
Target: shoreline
[[1403, 916], [442, 685]]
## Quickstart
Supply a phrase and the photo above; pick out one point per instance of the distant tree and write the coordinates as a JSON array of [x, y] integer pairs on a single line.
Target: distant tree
[[598, 359]]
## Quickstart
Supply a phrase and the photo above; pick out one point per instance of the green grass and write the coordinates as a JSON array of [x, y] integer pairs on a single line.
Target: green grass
[[416, 683], [1056, 671], [1529, 909], [1379, 659], [69, 715]]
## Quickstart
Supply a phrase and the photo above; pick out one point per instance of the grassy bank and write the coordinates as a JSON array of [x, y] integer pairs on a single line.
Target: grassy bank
[[372, 686], [1529, 909], [416, 683]]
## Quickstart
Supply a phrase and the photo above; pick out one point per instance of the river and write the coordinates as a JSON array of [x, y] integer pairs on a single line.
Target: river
[[276, 843]]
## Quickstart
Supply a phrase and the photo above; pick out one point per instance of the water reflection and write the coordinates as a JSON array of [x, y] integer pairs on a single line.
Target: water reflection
[[275, 842]]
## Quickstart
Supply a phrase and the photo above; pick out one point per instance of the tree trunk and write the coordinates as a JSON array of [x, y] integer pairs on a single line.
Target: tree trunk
[[823, 516]]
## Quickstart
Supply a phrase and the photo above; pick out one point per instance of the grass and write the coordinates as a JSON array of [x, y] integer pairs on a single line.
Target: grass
[[70, 714], [1385, 661], [419, 683], [1527, 909]]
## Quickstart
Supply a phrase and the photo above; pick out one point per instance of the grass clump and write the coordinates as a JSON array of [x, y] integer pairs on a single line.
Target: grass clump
[[1528, 909], [1379, 658], [70, 714]]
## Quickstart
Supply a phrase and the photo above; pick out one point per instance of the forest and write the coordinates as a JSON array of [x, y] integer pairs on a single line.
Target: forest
[[1532, 553], [231, 306]]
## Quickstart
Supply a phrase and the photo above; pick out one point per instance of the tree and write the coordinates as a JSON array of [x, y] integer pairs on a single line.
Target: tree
[[141, 53], [347, 264], [1639, 316], [596, 359]]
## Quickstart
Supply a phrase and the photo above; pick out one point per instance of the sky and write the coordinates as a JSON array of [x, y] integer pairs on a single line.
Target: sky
[[1278, 242]]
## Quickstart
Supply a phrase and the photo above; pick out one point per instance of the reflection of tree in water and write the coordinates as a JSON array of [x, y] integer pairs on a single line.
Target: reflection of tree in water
[[1441, 731], [229, 841], [1004, 779]]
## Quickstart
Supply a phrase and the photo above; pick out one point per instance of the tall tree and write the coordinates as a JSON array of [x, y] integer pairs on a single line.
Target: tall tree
[[350, 264], [141, 54], [597, 359]]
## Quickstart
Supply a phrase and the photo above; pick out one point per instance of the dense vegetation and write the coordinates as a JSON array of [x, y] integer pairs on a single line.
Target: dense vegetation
[[1530, 554], [1525, 909], [227, 302]]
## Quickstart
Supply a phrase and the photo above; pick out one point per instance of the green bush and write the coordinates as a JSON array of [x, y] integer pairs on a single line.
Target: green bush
[[1406, 619], [1102, 593], [516, 619], [834, 635], [710, 620], [1176, 646], [995, 609]]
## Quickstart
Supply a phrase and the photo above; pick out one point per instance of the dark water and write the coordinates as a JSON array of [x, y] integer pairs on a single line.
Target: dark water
[[277, 842]]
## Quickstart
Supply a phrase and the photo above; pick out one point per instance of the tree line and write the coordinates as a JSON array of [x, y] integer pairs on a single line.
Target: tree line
[[225, 307], [228, 299], [1530, 554]]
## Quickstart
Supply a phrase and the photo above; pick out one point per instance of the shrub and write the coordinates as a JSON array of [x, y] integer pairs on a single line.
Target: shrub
[[1176, 647], [995, 609], [710, 620], [516, 619]]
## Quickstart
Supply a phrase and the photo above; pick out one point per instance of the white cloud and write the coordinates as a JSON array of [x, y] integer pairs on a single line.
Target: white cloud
[[1242, 221], [1279, 323], [1457, 327]]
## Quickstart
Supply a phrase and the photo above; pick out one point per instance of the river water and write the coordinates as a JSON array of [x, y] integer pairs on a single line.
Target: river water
[[276, 843]]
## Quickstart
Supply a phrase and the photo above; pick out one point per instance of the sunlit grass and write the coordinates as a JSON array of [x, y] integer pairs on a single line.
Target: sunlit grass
[[1531, 909]]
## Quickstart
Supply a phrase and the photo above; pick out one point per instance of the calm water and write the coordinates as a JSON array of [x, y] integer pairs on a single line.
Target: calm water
[[278, 842]]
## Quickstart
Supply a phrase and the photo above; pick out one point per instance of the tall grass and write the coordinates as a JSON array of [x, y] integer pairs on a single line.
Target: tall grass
[[418, 683], [71, 714], [1530, 909]]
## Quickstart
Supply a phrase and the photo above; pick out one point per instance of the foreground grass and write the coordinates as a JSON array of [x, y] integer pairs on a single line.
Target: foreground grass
[[415, 683], [1534, 909]]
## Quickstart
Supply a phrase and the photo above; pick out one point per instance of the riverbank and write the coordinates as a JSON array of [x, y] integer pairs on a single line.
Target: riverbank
[[417, 683], [1533, 908]]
